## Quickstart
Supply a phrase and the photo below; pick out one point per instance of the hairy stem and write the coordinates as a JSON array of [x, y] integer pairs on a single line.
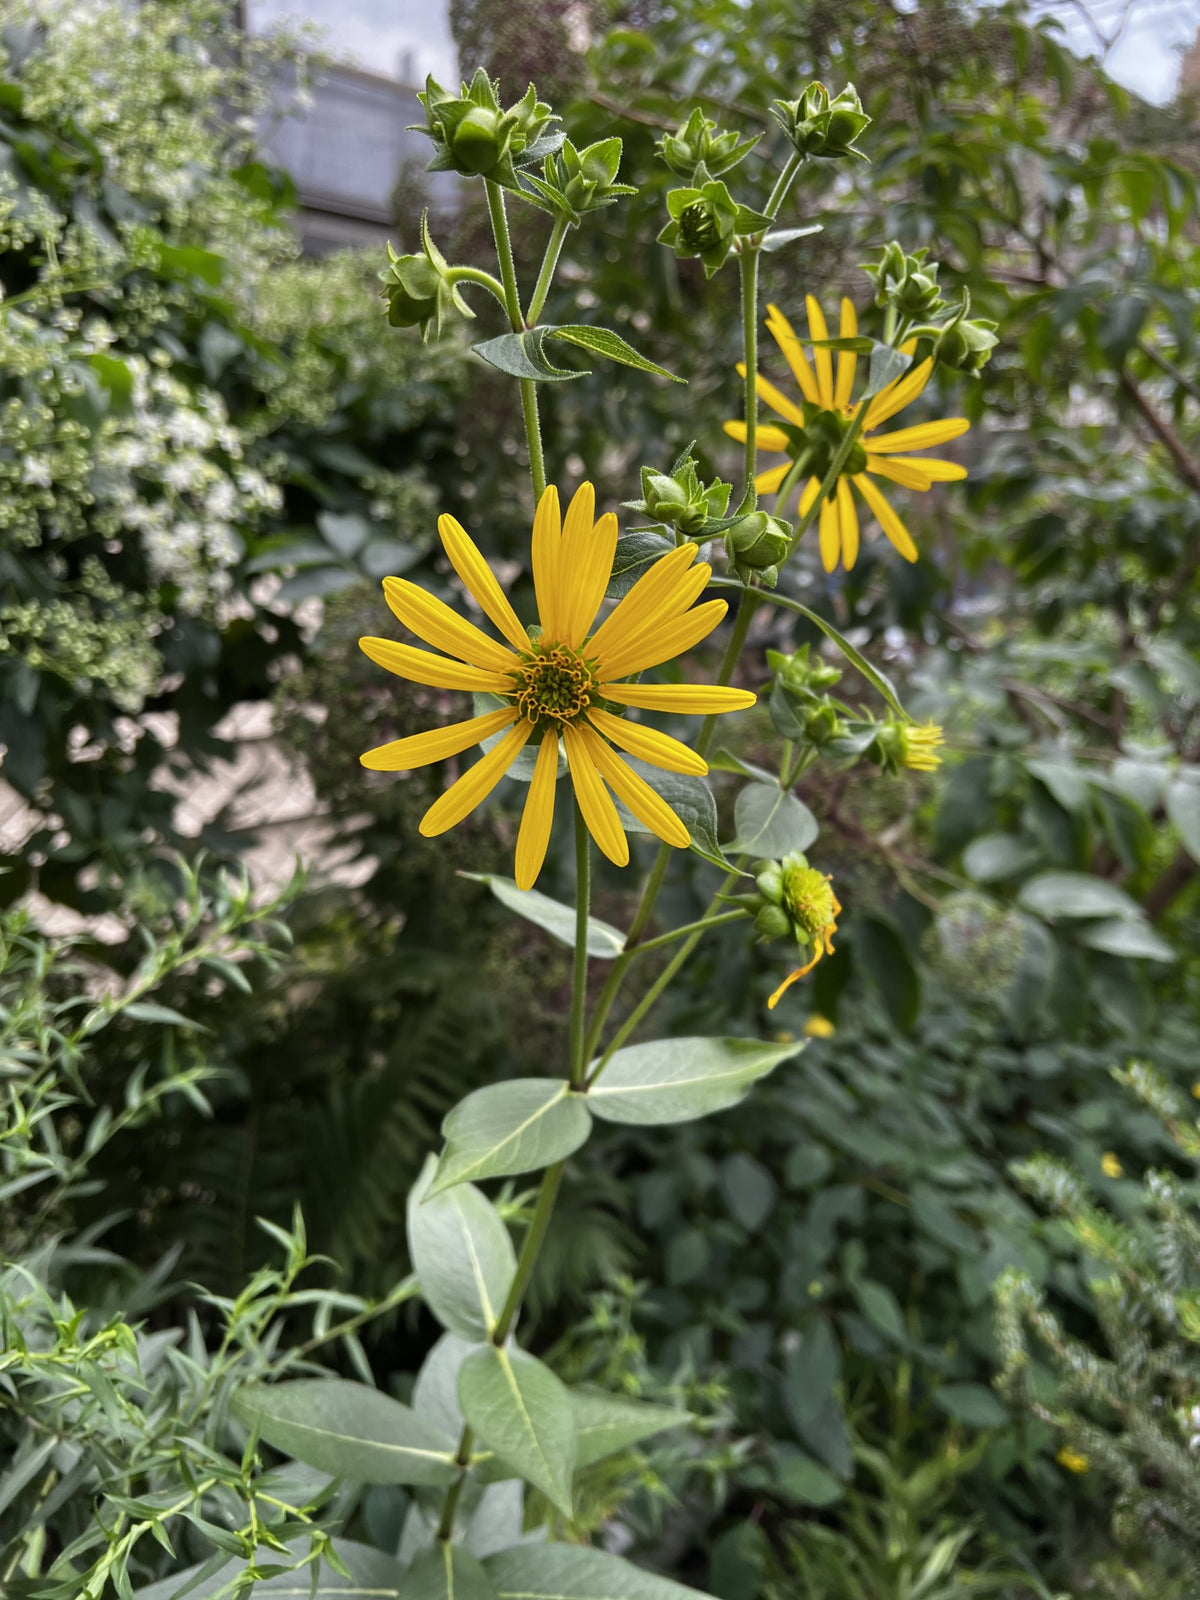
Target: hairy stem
[[748, 272], [546, 276], [579, 971], [512, 302]]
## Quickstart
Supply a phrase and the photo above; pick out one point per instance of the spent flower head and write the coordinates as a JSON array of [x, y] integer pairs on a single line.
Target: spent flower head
[[966, 344], [794, 901], [706, 221], [907, 744]]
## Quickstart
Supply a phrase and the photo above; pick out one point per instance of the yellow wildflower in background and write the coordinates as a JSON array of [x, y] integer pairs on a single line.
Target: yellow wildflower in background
[[813, 433], [1110, 1165], [1073, 1460], [559, 684], [819, 1027]]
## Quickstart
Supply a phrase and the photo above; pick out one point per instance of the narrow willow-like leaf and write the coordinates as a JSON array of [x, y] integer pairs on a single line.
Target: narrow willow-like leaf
[[462, 1254], [771, 822], [518, 1126], [604, 342], [373, 1576], [348, 1430], [575, 1572], [517, 1407], [677, 1080], [603, 941], [606, 1423]]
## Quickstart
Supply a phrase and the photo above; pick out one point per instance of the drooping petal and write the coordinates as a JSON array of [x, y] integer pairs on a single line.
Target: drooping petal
[[689, 588], [475, 785], [546, 549], [595, 802], [538, 816], [906, 473], [432, 620], [888, 520], [848, 517], [822, 359], [902, 391], [846, 360], [659, 749], [784, 335], [766, 438], [769, 481], [671, 639], [770, 395], [421, 666], [644, 600], [690, 699], [787, 983], [419, 749], [811, 490], [647, 805], [830, 534], [919, 437], [587, 559], [480, 581], [936, 471]]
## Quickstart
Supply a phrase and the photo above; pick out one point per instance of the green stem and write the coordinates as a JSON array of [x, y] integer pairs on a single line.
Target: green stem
[[445, 1525], [782, 184], [702, 925], [840, 457], [748, 272], [751, 600], [531, 1247], [579, 975], [512, 302], [484, 279], [546, 276]]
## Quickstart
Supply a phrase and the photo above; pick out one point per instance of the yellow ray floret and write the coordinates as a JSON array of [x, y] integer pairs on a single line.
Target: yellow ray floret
[[558, 683], [885, 455]]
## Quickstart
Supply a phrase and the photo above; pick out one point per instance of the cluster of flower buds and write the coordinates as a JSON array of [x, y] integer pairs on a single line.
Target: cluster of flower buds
[[706, 221], [420, 289], [577, 181], [679, 500], [966, 344], [907, 282], [701, 143], [800, 704], [756, 544], [820, 126], [475, 136]]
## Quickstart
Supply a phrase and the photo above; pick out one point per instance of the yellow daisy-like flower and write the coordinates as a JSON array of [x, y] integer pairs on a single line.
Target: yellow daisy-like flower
[[560, 684], [813, 431]]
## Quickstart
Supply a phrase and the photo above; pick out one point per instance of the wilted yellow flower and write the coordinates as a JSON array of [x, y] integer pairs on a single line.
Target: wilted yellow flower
[[1110, 1165], [819, 1027], [1073, 1460], [813, 432], [559, 684], [812, 905]]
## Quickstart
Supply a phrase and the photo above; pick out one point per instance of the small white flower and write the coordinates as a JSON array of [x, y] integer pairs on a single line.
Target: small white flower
[[36, 472]]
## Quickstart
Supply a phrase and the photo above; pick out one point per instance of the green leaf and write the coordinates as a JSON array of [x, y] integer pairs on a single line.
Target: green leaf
[[576, 1572], [148, 1011], [603, 941], [521, 356], [1064, 780], [812, 1367], [348, 1430], [435, 1392], [446, 1572], [1121, 937], [462, 1253], [373, 1576], [885, 366], [799, 1478], [995, 856], [771, 822], [606, 1423], [881, 1308], [726, 761], [518, 1126], [1076, 894], [972, 1404], [522, 768], [604, 342], [784, 236], [636, 554], [1183, 808], [517, 1407], [116, 378], [677, 1080], [692, 801], [749, 1190]]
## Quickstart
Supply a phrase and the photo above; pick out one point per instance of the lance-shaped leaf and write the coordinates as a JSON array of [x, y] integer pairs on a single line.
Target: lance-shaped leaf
[[373, 1576], [517, 1407], [575, 1572], [604, 342], [348, 1430], [447, 1572], [771, 822], [462, 1254], [1076, 894], [518, 1126], [606, 1423], [603, 940], [435, 1392], [521, 356], [676, 1080]]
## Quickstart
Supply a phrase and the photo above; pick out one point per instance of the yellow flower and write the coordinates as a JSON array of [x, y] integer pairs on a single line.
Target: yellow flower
[[812, 905], [560, 683], [819, 1027], [1196, 1090], [1110, 1165], [1073, 1460], [920, 747], [814, 431]]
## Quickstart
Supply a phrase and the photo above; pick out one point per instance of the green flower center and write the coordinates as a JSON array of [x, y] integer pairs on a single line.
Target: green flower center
[[808, 899], [555, 685], [820, 439], [698, 228]]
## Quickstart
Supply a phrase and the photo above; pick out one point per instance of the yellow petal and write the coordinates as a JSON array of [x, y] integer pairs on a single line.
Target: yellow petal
[[475, 785], [647, 805], [907, 474], [688, 588], [480, 581], [671, 639], [830, 535], [538, 816], [822, 359], [888, 520], [919, 437], [846, 358], [690, 699], [419, 749], [644, 599], [848, 517], [811, 490], [587, 558], [936, 471], [420, 666], [790, 980], [768, 482], [595, 803], [432, 620], [659, 749], [770, 395], [901, 392], [784, 335], [547, 544], [766, 438]]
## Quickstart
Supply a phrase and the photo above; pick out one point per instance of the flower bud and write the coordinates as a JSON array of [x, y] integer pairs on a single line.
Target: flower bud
[[822, 724], [679, 499], [756, 543], [706, 221], [819, 126], [478, 141], [772, 923], [411, 292], [909, 283], [966, 346], [906, 744], [799, 674], [473, 135], [701, 143]]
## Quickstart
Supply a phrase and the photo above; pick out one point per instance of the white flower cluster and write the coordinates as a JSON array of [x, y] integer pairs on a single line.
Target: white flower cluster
[[1188, 1418]]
